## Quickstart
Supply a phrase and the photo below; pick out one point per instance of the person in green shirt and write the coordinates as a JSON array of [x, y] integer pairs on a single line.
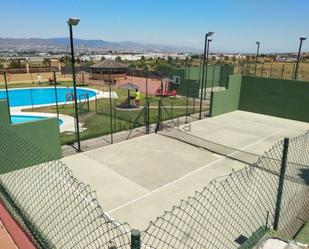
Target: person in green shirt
[[137, 98]]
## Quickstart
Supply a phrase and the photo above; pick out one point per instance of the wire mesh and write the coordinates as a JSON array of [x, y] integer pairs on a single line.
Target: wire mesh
[[55, 208], [237, 205]]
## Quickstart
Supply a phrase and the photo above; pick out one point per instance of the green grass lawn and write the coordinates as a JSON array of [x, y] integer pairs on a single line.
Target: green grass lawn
[[97, 119]]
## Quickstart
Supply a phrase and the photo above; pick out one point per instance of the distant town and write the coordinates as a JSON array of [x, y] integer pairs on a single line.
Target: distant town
[[43, 55]]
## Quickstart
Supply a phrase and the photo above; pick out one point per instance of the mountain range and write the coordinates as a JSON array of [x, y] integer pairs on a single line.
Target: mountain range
[[63, 43]]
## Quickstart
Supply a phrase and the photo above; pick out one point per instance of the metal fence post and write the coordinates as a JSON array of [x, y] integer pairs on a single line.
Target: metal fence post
[[31, 98], [293, 70], [282, 72], [135, 239], [111, 111], [211, 103], [172, 110], [271, 69], [96, 104], [56, 95], [159, 116], [187, 99], [281, 183], [147, 116], [115, 115], [7, 96], [146, 76]]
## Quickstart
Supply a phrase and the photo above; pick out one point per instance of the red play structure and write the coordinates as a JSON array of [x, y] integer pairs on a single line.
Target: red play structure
[[163, 91]]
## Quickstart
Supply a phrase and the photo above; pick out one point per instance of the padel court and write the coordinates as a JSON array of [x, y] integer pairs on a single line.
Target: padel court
[[138, 179]]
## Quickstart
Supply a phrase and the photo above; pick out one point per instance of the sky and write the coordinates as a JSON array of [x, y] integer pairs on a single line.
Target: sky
[[237, 24]]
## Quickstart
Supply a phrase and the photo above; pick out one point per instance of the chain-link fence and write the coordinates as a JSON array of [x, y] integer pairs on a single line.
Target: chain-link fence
[[110, 107], [58, 211], [279, 70], [231, 208], [50, 204]]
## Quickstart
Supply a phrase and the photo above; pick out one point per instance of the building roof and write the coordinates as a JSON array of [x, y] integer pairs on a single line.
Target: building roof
[[106, 64]]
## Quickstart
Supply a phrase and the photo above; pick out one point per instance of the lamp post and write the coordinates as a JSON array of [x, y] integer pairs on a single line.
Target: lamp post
[[257, 55], [73, 21], [301, 39], [205, 64]]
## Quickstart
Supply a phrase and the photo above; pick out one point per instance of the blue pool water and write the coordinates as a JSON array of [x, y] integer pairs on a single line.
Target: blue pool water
[[41, 96], [15, 119]]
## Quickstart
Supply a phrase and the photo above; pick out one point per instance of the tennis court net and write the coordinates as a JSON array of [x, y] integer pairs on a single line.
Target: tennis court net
[[233, 153], [269, 161]]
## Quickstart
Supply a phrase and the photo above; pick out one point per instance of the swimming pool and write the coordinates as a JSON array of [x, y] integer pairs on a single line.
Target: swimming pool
[[16, 119], [43, 96]]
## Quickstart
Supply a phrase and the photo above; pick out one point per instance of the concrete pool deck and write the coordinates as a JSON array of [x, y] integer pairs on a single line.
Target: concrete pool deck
[[138, 179], [66, 126]]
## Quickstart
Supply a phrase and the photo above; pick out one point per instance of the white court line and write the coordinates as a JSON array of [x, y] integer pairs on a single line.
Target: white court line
[[214, 121], [88, 200], [191, 173]]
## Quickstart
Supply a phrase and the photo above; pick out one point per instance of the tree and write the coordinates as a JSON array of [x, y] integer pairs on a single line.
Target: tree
[[163, 67], [131, 65], [103, 58], [47, 62], [170, 60], [195, 56], [66, 60], [118, 58], [15, 63], [143, 58]]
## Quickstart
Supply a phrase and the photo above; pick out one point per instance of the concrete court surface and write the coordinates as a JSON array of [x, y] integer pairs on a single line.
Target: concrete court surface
[[138, 179]]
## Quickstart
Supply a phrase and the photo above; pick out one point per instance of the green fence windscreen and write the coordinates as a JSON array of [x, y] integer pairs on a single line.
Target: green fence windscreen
[[217, 76], [4, 113], [227, 100], [276, 97]]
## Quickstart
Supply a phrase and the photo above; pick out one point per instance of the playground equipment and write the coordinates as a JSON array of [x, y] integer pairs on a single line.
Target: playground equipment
[[83, 102], [163, 90], [127, 104]]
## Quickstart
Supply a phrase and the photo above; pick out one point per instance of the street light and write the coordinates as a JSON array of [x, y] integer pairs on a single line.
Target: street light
[[73, 21], [257, 55], [205, 64], [302, 38]]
